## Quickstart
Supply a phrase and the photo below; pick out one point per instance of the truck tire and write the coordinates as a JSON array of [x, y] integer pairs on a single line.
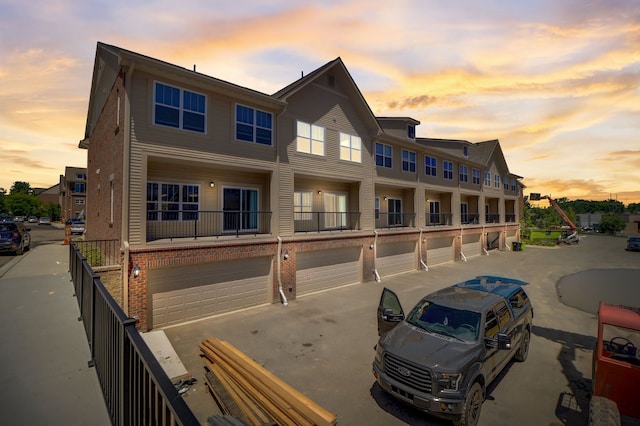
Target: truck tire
[[523, 350], [472, 407], [603, 412]]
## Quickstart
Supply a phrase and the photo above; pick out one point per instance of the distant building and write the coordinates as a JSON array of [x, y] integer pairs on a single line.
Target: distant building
[[73, 192], [48, 195]]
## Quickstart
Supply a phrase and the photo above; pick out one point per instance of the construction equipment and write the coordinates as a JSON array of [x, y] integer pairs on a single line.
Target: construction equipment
[[570, 230], [616, 365]]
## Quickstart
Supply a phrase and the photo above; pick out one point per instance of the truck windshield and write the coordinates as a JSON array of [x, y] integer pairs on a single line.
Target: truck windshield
[[437, 319]]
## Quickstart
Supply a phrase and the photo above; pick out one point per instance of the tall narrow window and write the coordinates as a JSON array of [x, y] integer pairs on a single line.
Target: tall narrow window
[[335, 206], [487, 178], [464, 213], [111, 201], [240, 206], [447, 167], [476, 176], [430, 166], [384, 155], [394, 210], [464, 173], [434, 212], [408, 161], [302, 205], [350, 148]]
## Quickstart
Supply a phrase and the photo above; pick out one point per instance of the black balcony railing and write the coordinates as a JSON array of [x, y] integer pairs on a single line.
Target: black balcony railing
[[395, 220], [510, 218], [439, 219], [326, 221], [470, 218], [199, 223], [136, 389], [492, 218], [100, 252]]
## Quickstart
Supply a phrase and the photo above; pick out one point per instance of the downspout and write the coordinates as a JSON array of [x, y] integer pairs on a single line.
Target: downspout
[[283, 298], [461, 253], [126, 158], [484, 246], [422, 262], [375, 249]]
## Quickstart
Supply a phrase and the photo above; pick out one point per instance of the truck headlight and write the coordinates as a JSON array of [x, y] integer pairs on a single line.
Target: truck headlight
[[448, 381], [379, 352]]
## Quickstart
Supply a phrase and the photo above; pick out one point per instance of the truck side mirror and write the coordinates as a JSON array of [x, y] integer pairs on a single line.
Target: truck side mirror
[[504, 341]]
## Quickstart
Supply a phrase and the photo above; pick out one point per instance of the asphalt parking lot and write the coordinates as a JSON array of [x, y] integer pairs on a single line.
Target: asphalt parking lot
[[322, 344]]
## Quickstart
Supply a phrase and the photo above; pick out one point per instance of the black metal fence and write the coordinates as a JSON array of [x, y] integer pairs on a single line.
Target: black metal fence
[[199, 223], [100, 252], [136, 389], [395, 220], [439, 219], [326, 221]]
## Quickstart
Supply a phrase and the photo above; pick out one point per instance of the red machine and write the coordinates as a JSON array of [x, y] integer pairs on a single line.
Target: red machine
[[616, 362], [571, 234]]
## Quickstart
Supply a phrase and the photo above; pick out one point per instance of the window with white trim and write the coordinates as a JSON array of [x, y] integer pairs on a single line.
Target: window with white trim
[[505, 182], [254, 125], [350, 148], [464, 212], [408, 161], [447, 172], [335, 206], [310, 138], [179, 108], [464, 173], [394, 211], [475, 176], [487, 178], [496, 181], [172, 201], [411, 131], [79, 201], [384, 155], [302, 205], [79, 188], [430, 166], [241, 209]]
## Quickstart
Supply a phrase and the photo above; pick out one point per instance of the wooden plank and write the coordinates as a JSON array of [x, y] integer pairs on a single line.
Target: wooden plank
[[278, 392]]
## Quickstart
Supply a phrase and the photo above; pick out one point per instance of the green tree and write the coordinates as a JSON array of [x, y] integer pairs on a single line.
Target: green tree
[[21, 204], [21, 188], [633, 208], [611, 223], [3, 196]]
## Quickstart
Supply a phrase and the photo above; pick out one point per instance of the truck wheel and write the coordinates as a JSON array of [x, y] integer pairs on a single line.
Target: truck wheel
[[603, 412], [523, 350], [472, 406]]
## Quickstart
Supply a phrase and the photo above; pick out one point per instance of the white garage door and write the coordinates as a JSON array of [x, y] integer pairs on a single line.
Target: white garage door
[[439, 250], [185, 293], [323, 269], [471, 245], [394, 258]]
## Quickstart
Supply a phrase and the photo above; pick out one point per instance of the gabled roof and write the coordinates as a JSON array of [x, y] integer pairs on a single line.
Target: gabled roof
[[337, 65]]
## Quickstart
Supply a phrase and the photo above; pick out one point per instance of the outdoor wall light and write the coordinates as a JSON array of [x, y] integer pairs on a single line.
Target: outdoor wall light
[[136, 271], [371, 246], [286, 254], [385, 198], [212, 184], [319, 192]]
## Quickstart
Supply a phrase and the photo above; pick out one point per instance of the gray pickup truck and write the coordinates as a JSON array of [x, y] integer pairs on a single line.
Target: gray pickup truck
[[452, 344]]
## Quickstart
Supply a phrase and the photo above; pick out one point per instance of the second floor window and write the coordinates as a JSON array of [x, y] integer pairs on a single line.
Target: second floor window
[[408, 161], [350, 148], [310, 138], [80, 188], [487, 178], [179, 108], [464, 174], [448, 170], [476, 176], [430, 166], [253, 125], [384, 156], [302, 205], [496, 181]]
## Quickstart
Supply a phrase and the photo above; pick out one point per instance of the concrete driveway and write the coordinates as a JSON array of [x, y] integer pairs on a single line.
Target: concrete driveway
[[322, 344]]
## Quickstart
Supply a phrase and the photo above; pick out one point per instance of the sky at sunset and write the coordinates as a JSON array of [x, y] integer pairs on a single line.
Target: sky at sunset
[[557, 82]]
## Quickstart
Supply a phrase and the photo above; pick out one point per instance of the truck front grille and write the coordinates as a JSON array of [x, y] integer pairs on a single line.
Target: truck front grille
[[408, 373]]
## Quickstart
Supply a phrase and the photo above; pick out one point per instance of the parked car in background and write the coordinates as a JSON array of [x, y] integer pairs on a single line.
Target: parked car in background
[[77, 227], [18, 219], [44, 220], [14, 237], [32, 219], [633, 243]]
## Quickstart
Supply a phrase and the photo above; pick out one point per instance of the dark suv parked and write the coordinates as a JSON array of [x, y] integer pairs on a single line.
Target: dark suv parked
[[14, 237], [453, 343]]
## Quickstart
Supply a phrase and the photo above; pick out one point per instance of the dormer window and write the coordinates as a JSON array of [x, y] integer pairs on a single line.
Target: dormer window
[[411, 131], [465, 151]]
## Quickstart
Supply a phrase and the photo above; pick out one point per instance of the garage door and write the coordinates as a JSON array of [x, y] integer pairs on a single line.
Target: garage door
[[471, 245], [439, 250], [185, 293], [396, 258], [323, 269]]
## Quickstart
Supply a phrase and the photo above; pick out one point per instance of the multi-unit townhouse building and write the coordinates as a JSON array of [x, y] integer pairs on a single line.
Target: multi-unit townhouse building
[[72, 194], [224, 198]]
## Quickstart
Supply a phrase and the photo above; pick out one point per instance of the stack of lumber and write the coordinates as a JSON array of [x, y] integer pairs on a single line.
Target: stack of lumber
[[244, 389]]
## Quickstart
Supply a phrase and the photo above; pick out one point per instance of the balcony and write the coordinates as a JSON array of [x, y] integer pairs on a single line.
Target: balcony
[[470, 219], [395, 220], [492, 218], [326, 221], [439, 219], [198, 223], [510, 218]]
